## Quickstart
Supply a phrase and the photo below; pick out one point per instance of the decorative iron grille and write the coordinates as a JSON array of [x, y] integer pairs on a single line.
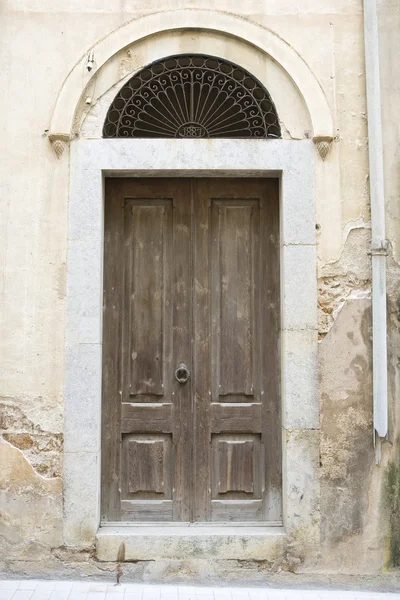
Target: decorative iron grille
[[192, 96]]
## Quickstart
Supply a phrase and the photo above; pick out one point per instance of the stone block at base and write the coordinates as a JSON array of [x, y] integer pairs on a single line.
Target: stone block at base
[[127, 543]]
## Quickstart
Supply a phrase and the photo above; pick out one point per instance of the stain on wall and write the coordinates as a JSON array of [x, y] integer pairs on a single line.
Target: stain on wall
[[347, 455], [392, 502]]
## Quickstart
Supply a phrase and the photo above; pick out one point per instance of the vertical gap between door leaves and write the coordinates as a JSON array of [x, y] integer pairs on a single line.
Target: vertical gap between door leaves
[[192, 321]]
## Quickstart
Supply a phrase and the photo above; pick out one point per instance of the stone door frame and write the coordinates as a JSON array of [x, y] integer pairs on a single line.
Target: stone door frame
[[90, 162]]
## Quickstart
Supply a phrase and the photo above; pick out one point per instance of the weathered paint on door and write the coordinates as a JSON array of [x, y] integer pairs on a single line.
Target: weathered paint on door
[[191, 275]]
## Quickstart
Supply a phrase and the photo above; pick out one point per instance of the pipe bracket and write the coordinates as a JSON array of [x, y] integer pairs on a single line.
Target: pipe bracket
[[379, 249]]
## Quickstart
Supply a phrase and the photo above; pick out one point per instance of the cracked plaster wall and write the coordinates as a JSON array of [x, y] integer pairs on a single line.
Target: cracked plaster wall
[[41, 43]]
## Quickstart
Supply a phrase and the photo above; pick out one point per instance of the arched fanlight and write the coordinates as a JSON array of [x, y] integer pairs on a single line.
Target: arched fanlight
[[192, 96]]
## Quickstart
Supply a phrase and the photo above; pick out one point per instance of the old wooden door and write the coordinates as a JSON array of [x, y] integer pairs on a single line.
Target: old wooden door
[[191, 411]]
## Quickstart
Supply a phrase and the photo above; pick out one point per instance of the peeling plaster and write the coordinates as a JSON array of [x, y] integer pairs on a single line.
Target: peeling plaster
[[347, 229], [27, 534], [43, 449], [347, 278]]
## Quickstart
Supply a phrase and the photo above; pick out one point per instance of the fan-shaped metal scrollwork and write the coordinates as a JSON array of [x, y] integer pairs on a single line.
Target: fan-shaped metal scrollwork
[[192, 96]]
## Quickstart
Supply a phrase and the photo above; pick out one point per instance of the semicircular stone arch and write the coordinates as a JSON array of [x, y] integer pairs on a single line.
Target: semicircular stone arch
[[192, 96], [72, 100]]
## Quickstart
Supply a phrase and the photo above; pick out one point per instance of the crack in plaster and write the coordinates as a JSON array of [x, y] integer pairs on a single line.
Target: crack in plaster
[[286, 134]]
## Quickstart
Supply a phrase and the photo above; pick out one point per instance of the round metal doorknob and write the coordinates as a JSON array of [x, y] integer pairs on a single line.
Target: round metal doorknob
[[182, 373]]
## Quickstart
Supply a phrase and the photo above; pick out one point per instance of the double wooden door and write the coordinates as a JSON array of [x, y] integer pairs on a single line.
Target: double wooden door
[[191, 411]]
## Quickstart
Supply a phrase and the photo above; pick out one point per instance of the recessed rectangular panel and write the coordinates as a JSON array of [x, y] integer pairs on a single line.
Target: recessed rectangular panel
[[237, 478], [147, 466], [235, 305], [235, 466], [235, 262], [148, 230]]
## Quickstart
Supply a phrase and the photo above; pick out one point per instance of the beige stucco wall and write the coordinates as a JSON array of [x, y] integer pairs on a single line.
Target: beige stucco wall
[[40, 43]]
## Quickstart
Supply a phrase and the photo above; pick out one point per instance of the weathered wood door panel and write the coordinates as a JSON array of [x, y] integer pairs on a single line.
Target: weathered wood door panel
[[237, 452], [147, 420], [191, 275]]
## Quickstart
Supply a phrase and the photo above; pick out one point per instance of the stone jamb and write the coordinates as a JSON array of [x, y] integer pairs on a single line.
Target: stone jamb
[[90, 162]]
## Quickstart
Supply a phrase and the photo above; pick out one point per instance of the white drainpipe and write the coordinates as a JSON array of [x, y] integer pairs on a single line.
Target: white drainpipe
[[379, 243]]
